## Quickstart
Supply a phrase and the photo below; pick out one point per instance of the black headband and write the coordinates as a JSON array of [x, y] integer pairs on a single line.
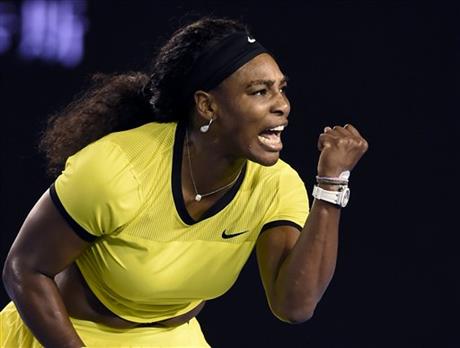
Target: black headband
[[220, 61]]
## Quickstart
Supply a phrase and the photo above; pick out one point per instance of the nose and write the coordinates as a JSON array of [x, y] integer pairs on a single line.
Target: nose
[[281, 105]]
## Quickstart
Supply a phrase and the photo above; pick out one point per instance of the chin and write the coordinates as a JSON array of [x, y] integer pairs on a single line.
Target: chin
[[259, 154], [266, 160]]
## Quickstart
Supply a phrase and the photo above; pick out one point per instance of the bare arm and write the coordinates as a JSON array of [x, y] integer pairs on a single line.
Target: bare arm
[[45, 246], [296, 269]]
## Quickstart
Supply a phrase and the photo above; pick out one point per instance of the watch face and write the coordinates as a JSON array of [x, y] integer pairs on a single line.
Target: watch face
[[345, 175], [345, 197]]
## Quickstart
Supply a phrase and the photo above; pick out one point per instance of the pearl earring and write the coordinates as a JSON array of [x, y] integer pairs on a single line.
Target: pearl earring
[[205, 128]]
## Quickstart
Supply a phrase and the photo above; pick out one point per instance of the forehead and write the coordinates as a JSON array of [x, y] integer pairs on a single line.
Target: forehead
[[261, 67]]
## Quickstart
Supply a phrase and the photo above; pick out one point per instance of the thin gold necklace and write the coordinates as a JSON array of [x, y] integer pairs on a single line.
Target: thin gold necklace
[[199, 196]]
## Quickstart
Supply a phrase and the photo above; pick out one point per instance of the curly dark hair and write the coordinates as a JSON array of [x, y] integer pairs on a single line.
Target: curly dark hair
[[123, 101]]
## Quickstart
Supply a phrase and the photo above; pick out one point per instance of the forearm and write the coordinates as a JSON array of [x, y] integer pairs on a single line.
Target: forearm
[[40, 305], [307, 270], [297, 271]]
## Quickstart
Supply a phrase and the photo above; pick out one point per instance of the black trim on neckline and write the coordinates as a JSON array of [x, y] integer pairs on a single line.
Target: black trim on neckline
[[79, 231], [280, 223], [176, 182]]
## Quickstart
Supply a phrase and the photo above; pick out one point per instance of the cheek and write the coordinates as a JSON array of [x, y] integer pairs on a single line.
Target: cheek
[[243, 118], [249, 126], [252, 113]]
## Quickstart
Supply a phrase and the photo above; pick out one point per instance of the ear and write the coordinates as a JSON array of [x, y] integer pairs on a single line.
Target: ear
[[205, 105]]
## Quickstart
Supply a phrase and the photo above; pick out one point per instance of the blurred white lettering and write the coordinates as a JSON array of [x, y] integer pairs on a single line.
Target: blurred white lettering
[[46, 30], [8, 26], [53, 31]]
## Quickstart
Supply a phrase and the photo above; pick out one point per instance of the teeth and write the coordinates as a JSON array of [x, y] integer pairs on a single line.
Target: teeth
[[270, 141], [277, 129]]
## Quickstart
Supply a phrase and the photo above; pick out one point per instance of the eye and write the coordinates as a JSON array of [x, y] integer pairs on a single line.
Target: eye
[[283, 89], [260, 92]]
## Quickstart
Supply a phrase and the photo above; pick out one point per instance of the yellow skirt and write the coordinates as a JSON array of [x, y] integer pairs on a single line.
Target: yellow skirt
[[15, 334]]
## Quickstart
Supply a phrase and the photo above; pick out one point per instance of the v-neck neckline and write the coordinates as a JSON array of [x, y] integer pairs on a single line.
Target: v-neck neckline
[[176, 182]]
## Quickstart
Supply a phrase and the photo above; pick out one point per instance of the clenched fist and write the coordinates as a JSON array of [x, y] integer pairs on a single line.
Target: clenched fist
[[341, 148]]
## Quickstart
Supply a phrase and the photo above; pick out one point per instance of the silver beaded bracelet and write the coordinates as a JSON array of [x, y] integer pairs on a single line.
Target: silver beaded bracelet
[[331, 181], [341, 180]]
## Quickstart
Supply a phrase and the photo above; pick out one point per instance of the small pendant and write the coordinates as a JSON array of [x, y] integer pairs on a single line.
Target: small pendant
[[198, 197]]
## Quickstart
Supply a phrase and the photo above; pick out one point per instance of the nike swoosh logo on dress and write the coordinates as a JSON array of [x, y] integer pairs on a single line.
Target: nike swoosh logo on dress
[[225, 235]]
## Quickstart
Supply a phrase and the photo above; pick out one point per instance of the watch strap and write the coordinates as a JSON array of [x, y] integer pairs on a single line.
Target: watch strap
[[339, 198]]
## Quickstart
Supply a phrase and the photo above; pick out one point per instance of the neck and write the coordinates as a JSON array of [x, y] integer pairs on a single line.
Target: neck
[[212, 167]]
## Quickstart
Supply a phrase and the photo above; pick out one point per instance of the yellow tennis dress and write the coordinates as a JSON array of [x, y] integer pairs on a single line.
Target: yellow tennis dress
[[149, 260]]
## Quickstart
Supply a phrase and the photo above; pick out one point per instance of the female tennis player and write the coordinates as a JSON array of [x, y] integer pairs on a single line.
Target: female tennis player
[[165, 184]]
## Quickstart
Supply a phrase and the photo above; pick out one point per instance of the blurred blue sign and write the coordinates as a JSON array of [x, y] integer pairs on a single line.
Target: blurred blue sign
[[51, 31]]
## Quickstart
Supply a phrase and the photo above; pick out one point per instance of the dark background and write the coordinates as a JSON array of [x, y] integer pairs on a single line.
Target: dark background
[[389, 68]]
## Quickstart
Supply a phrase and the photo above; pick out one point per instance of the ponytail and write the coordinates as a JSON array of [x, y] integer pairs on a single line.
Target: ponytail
[[124, 101], [112, 103]]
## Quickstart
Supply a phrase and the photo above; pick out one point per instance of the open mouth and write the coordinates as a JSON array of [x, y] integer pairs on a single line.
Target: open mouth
[[271, 138]]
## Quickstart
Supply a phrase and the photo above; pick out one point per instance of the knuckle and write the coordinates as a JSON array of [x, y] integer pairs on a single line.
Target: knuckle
[[360, 142], [365, 145], [362, 145]]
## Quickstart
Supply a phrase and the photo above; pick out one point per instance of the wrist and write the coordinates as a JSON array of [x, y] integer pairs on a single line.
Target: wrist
[[333, 189], [329, 187], [338, 197], [330, 173], [333, 172], [341, 180]]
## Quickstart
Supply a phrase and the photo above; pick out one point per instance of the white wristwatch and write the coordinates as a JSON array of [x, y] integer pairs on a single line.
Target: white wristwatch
[[339, 198]]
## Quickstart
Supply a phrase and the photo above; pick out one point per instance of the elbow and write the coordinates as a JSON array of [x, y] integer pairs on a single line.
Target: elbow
[[13, 276], [298, 317], [7, 276], [20, 276], [295, 314]]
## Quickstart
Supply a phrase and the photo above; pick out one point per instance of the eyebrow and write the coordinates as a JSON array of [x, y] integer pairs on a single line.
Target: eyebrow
[[268, 83]]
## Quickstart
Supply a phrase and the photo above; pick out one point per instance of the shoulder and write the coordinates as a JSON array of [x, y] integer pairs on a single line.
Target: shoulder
[[115, 161], [144, 144], [282, 192], [98, 189], [101, 168], [281, 182], [281, 172], [146, 132]]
